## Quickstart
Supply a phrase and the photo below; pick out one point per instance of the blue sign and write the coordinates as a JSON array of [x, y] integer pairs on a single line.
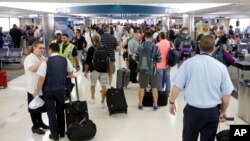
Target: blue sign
[[124, 10]]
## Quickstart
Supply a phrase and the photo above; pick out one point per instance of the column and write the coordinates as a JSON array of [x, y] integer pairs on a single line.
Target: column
[[48, 28], [188, 21]]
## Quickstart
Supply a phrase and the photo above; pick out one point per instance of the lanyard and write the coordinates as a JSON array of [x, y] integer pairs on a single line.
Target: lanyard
[[203, 53], [40, 58]]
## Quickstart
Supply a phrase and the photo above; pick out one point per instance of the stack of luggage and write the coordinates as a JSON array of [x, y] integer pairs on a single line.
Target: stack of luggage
[[79, 126]]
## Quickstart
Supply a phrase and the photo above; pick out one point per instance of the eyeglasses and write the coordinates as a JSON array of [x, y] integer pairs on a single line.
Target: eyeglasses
[[41, 48]]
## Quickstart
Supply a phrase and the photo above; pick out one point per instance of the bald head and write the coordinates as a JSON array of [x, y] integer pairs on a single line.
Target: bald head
[[207, 43]]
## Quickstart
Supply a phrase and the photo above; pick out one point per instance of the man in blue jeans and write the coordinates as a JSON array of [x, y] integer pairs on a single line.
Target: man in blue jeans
[[163, 70], [208, 89]]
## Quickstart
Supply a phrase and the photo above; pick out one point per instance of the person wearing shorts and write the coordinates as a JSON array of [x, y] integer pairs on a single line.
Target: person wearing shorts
[[95, 75], [150, 77]]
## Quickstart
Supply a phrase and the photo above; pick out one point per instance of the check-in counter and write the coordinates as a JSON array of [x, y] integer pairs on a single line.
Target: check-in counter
[[244, 100], [243, 90]]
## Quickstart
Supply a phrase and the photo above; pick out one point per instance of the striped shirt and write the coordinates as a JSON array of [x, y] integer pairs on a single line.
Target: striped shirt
[[110, 43]]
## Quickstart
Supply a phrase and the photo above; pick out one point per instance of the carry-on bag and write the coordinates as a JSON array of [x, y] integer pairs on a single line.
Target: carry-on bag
[[123, 77], [3, 78], [224, 135], [77, 110], [81, 131], [116, 101], [148, 99]]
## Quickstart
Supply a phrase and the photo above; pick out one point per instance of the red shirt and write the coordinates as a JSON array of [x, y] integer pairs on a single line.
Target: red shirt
[[164, 47]]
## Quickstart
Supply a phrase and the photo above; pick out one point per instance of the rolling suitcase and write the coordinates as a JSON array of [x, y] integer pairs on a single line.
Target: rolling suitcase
[[224, 135], [123, 77], [148, 99], [77, 110], [3, 78], [116, 101]]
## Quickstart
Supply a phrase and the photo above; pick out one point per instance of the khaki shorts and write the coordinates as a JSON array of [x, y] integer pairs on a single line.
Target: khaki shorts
[[111, 69], [102, 77], [144, 80]]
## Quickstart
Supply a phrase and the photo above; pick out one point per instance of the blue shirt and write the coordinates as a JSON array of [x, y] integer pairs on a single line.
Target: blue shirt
[[205, 79]]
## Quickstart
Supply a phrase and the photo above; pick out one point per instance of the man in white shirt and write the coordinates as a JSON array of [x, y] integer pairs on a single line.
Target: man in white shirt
[[37, 33], [31, 65], [52, 80]]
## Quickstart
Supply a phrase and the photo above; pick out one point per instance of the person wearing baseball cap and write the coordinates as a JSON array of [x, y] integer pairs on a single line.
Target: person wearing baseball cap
[[58, 37]]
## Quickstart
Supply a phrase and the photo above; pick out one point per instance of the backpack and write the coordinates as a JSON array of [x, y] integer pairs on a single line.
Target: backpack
[[186, 47], [147, 59], [218, 54], [100, 60]]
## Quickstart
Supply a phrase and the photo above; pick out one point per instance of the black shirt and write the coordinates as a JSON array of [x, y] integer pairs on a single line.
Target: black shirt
[[1, 37], [89, 59], [79, 42]]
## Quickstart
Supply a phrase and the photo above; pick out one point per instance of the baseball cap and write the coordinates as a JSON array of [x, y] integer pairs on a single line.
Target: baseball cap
[[58, 32]]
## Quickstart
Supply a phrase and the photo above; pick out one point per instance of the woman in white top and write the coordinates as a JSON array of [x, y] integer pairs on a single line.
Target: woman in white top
[[88, 36], [31, 65]]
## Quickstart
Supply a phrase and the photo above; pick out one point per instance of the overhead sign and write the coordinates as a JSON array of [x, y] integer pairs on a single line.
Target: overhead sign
[[118, 9], [203, 28], [123, 15]]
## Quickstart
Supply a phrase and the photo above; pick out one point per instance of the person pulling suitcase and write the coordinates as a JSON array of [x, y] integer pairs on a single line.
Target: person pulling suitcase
[[97, 62]]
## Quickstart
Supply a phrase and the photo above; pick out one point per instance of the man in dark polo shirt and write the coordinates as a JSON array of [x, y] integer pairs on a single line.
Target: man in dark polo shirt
[[110, 43], [52, 80]]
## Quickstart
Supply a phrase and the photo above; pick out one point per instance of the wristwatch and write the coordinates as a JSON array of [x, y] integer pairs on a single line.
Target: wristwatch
[[170, 102]]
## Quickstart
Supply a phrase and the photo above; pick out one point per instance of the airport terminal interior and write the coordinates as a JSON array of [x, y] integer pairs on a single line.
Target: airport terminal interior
[[24, 22]]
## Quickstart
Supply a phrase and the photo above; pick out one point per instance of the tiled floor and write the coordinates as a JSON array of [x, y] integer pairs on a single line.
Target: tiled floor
[[146, 125]]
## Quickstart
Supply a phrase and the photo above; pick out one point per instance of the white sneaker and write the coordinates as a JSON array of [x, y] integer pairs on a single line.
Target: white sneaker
[[92, 101], [103, 105]]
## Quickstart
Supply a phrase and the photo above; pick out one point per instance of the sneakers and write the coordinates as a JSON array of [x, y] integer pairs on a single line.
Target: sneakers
[[102, 105], [92, 101], [140, 107], [156, 108]]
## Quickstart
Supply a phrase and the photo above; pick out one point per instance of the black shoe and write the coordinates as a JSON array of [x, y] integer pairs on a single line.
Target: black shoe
[[37, 130], [66, 98], [44, 126], [135, 81], [62, 135], [53, 137]]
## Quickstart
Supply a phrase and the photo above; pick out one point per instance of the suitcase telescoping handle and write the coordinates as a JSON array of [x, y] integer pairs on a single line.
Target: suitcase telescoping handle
[[77, 90]]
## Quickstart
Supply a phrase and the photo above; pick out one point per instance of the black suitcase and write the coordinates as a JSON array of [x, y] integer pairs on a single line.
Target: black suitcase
[[123, 78], [116, 101], [77, 110], [223, 135], [148, 99], [83, 130]]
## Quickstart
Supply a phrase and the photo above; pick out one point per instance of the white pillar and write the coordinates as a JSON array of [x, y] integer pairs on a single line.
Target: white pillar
[[48, 28], [188, 21]]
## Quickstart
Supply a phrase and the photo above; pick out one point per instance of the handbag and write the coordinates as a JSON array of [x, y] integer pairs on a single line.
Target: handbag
[[37, 102], [228, 58], [173, 56]]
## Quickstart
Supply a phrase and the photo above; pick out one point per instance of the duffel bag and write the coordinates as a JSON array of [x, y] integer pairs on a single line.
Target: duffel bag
[[81, 131]]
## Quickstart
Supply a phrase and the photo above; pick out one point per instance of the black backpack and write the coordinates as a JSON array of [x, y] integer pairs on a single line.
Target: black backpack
[[100, 60]]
